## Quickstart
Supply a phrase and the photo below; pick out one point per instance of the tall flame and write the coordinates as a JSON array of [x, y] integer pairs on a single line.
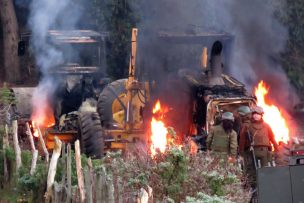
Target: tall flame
[[158, 129], [42, 117], [272, 115]]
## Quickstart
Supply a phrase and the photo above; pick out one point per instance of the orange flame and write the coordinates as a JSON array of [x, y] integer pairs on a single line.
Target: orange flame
[[272, 115], [42, 117], [159, 130]]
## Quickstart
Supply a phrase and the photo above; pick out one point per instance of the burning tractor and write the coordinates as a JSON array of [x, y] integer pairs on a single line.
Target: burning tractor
[[115, 116], [188, 99], [175, 86], [54, 105], [193, 93]]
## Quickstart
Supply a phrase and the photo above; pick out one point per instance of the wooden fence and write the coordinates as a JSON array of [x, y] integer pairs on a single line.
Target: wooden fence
[[92, 185]]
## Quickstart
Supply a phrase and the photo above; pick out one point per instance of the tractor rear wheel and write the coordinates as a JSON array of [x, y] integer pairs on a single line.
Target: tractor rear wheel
[[91, 135], [109, 101]]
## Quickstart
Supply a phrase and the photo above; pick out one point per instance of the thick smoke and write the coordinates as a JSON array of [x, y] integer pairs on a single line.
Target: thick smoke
[[260, 41], [259, 38], [44, 16]]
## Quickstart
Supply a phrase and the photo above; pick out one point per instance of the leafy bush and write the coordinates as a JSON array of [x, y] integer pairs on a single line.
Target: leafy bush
[[179, 176], [204, 198]]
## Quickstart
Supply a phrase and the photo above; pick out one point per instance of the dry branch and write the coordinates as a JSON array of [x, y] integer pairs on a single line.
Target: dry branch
[[52, 169], [79, 172], [16, 145], [46, 153]]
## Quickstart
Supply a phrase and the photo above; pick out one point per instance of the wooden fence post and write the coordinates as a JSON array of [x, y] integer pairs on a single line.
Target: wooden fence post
[[30, 137], [34, 162], [79, 172], [5, 146], [46, 153], [110, 189], [52, 169], [120, 190], [63, 162], [88, 183], [33, 149], [143, 196], [101, 196], [16, 145], [69, 174]]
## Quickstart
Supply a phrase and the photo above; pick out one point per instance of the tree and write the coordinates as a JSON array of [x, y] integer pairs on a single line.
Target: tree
[[10, 41], [119, 17], [292, 16]]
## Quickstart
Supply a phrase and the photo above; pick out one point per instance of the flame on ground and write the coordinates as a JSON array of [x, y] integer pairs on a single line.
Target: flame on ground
[[43, 118], [158, 130], [272, 115]]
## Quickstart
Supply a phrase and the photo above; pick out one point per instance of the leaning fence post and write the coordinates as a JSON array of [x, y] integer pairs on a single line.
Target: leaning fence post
[[16, 145], [33, 149], [52, 169], [30, 137], [79, 172], [46, 153]]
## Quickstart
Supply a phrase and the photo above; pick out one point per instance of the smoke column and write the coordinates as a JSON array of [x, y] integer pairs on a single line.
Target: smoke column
[[44, 16], [259, 36]]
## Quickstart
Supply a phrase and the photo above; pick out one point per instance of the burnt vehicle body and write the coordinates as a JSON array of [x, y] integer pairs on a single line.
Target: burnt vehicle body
[[79, 76], [197, 88]]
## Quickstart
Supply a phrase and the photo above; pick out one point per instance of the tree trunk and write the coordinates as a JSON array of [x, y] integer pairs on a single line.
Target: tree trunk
[[10, 40]]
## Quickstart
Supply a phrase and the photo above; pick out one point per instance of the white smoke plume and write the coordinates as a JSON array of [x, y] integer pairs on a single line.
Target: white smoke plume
[[44, 16]]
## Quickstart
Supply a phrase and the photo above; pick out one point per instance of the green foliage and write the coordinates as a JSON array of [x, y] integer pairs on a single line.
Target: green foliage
[[173, 170], [6, 96], [26, 157], [118, 18], [176, 174], [204, 198], [1, 137], [61, 166], [35, 183], [292, 16], [10, 154], [1, 166]]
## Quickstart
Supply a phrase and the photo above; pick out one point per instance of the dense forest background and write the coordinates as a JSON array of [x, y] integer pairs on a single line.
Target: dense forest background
[[118, 17]]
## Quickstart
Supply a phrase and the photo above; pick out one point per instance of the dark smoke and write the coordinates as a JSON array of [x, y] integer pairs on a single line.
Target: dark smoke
[[260, 39]]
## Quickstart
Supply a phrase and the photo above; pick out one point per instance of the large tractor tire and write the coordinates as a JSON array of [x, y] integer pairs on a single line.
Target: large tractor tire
[[91, 135], [109, 101]]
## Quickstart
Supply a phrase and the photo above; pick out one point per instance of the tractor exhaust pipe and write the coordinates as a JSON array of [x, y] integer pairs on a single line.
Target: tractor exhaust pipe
[[216, 65], [216, 60]]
